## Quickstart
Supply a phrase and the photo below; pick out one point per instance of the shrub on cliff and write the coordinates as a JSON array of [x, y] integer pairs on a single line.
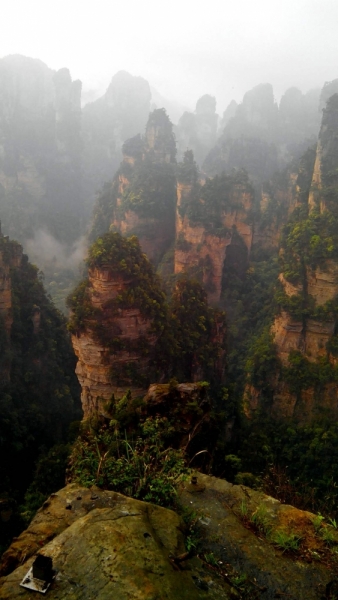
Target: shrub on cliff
[[125, 260], [142, 465]]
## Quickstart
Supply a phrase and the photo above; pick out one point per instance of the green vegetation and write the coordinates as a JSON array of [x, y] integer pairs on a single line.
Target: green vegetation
[[185, 328], [286, 541], [104, 208], [296, 464], [187, 170], [142, 465], [152, 191], [195, 328], [247, 297], [39, 393], [262, 524], [140, 287], [206, 204], [260, 520]]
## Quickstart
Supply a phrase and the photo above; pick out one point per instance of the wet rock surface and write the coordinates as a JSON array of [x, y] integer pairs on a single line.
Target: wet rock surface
[[223, 515], [108, 546], [105, 545]]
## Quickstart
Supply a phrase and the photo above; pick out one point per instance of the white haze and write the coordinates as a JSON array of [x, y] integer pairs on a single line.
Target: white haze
[[184, 48], [54, 253]]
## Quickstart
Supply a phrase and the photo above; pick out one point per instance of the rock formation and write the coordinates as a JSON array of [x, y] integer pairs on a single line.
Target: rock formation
[[10, 258], [261, 137], [104, 544], [209, 219], [142, 196], [197, 131], [125, 335], [304, 331], [117, 319]]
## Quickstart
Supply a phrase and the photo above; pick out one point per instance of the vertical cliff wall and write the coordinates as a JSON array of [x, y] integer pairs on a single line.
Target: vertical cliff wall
[[304, 331], [117, 318], [10, 258], [141, 199], [209, 219], [126, 336]]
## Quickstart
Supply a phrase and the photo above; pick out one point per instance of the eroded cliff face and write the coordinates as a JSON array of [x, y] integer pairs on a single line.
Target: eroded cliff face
[[207, 225], [278, 199], [10, 257], [127, 336], [114, 343], [96, 360], [304, 331], [142, 197]]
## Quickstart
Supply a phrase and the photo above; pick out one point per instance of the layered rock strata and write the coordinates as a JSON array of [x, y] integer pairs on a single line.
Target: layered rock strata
[[95, 359], [304, 331], [115, 335], [202, 239]]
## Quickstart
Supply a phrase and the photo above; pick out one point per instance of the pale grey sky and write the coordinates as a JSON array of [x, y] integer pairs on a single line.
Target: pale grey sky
[[184, 48]]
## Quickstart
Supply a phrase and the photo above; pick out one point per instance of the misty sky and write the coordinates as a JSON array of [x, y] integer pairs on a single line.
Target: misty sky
[[184, 48]]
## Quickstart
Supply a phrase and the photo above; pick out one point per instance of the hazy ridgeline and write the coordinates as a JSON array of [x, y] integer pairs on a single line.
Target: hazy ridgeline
[[56, 155]]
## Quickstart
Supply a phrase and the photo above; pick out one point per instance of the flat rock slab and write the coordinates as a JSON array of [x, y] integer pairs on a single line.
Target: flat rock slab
[[224, 534], [120, 549]]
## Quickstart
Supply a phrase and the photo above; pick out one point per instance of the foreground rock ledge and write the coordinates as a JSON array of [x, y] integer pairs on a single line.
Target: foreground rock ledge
[[120, 549], [106, 546]]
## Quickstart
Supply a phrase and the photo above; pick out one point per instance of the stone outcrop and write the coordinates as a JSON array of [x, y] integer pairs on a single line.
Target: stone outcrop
[[197, 131], [202, 249], [309, 330], [224, 512], [104, 544], [126, 336], [10, 257], [143, 192], [128, 325]]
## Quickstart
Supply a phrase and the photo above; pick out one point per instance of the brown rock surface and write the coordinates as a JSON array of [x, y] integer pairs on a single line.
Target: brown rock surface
[[205, 251], [224, 512], [315, 294], [107, 546], [10, 257], [95, 360]]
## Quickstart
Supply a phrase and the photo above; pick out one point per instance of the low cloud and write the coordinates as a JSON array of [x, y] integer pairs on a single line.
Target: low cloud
[[47, 252]]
